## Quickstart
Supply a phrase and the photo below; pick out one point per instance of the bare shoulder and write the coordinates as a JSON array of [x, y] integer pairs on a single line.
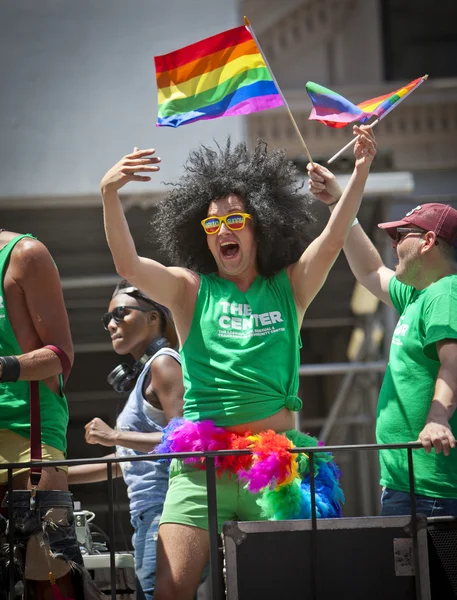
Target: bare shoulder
[[31, 249], [190, 278], [30, 256], [165, 364]]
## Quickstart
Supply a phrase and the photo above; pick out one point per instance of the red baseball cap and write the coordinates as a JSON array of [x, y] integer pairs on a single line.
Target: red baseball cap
[[439, 218]]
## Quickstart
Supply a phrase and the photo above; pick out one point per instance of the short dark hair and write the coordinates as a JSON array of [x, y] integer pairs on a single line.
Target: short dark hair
[[125, 287], [269, 185]]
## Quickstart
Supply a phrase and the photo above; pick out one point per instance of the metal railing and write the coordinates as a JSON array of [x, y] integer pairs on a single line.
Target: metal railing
[[217, 592]]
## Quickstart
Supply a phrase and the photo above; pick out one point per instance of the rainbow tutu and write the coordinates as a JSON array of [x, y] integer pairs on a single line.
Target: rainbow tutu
[[280, 477]]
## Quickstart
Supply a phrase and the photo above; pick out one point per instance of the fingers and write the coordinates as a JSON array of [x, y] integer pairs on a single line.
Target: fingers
[[140, 161], [446, 441], [439, 440], [315, 187], [365, 144], [153, 160], [139, 178], [366, 130], [88, 431], [140, 153], [131, 172], [129, 169], [426, 443], [315, 177], [366, 140], [318, 172]]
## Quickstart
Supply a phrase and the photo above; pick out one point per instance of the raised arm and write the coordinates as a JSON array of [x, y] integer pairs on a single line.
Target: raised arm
[[167, 285], [363, 258], [309, 273]]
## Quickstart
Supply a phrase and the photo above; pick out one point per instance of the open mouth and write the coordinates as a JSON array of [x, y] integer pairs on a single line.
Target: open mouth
[[229, 249]]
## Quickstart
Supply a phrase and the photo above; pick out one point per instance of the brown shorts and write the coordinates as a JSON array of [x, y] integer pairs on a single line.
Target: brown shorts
[[15, 448]]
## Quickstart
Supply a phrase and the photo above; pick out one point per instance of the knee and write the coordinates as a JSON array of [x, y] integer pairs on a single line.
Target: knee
[[165, 594], [168, 590]]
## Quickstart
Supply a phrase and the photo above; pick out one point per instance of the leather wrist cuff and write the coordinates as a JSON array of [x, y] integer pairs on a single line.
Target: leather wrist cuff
[[11, 368]]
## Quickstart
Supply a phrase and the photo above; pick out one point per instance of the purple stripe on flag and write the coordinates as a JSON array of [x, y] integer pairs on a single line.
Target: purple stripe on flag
[[255, 104], [343, 117]]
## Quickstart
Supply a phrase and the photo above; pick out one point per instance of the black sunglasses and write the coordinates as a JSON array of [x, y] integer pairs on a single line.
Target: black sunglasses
[[119, 314], [402, 231]]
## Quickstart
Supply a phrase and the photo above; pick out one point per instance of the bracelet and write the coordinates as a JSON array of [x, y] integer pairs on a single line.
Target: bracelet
[[11, 368], [333, 203], [356, 221]]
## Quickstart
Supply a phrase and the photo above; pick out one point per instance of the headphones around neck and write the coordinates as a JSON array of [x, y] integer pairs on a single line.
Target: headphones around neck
[[123, 377]]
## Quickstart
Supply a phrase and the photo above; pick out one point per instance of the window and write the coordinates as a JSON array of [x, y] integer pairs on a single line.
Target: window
[[420, 36]]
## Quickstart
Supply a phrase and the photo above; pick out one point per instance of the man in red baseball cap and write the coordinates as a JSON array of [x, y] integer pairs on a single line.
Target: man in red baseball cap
[[418, 397], [439, 218]]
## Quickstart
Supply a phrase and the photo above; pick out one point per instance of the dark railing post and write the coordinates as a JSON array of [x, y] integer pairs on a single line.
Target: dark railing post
[[312, 490], [11, 533], [112, 557], [214, 556], [412, 498]]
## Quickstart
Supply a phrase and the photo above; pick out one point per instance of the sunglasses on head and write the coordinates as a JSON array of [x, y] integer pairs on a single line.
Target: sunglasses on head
[[401, 232], [119, 314], [234, 221]]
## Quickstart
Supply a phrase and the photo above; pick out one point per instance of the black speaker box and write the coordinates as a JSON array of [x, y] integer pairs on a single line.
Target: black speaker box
[[442, 553], [354, 559]]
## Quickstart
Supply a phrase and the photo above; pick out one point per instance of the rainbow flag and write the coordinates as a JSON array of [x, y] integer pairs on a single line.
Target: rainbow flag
[[336, 111], [219, 76]]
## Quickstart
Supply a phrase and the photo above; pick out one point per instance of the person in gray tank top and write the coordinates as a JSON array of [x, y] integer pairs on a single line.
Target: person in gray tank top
[[144, 329]]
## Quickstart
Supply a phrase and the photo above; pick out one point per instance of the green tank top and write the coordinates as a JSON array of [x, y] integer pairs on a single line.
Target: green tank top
[[14, 397], [241, 358]]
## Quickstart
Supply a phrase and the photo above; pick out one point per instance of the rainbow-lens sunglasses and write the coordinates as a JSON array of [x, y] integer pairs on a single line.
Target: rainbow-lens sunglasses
[[234, 221]]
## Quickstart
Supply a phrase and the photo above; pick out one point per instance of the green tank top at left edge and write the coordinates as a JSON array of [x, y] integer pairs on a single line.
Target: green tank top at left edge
[[15, 396]]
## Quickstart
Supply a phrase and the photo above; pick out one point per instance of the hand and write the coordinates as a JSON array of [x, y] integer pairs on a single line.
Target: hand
[[125, 170], [365, 146], [322, 184], [98, 432], [438, 435]]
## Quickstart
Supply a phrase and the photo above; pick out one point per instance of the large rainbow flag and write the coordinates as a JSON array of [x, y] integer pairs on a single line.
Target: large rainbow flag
[[336, 111], [216, 77]]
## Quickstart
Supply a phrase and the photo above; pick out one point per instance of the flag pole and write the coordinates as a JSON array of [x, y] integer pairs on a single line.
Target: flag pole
[[353, 141], [349, 144], [249, 28]]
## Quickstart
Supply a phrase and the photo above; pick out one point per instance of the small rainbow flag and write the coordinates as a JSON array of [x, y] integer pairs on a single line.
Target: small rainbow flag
[[219, 76], [335, 111]]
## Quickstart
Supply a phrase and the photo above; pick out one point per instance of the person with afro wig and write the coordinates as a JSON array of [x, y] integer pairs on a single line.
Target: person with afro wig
[[235, 227]]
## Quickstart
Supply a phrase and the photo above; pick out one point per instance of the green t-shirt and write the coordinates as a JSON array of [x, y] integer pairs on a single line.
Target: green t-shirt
[[427, 316], [15, 396], [241, 358]]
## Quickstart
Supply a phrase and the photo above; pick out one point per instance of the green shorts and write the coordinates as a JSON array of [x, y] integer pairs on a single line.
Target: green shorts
[[186, 501]]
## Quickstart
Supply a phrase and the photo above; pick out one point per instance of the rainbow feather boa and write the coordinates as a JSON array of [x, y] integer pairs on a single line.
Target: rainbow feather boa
[[280, 477]]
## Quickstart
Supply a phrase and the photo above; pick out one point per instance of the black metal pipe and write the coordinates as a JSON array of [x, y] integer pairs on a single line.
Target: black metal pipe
[[11, 533], [112, 557], [214, 556], [412, 499], [314, 551], [182, 455]]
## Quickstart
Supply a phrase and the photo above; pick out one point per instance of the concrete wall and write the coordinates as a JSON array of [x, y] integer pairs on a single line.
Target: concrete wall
[[78, 88]]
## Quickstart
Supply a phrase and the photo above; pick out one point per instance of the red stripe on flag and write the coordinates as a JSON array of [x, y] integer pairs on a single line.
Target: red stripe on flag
[[178, 58]]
